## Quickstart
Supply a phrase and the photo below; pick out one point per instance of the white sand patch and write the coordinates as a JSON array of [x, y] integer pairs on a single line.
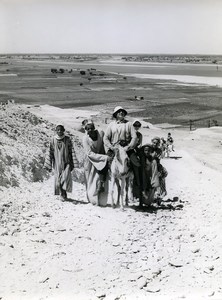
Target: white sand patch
[[158, 64], [166, 125], [102, 89], [71, 118], [183, 78], [131, 64], [141, 88], [8, 75]]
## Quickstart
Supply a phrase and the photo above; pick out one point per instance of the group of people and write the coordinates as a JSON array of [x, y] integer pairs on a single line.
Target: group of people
[[99, 151]]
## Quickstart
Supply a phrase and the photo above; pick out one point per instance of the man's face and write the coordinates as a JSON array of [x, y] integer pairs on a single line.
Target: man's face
[[90, 128], [120, 115], [60, 131], [136, 127]]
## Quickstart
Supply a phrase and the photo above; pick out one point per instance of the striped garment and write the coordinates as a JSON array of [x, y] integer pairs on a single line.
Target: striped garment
[[60, 155]]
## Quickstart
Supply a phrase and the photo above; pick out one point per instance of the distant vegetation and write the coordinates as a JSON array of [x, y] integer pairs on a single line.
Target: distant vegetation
[[175, 58], [158, 58]]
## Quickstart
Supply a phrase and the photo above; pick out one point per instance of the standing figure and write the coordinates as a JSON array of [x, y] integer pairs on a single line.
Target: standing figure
[[163, 147], [150, 175], [62, 158], [137, 168], [162, 172], [121, 132], [137, 125], [157, 153], [95, 165], [170, 144]]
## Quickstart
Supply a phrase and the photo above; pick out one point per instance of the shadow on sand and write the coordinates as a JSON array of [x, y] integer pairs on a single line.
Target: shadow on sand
[[169, 204], [73, 201], [173, 157]]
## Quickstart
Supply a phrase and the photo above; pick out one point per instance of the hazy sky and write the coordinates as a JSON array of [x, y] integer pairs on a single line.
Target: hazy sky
[[111, 26]]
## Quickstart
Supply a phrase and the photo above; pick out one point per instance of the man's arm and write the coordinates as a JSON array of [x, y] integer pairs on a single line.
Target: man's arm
[[133, 141], [107, 138]]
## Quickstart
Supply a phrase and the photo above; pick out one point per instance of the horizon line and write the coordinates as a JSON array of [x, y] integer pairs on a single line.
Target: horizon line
[[113, 54]]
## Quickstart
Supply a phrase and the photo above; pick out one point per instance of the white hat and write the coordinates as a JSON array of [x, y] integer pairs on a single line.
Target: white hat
[[117, 109]]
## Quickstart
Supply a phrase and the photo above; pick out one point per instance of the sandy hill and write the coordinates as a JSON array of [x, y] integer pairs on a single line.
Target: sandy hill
[[73, 250], [24, 140]]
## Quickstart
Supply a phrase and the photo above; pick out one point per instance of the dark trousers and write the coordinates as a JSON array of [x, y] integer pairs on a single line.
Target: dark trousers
[[103, 173], [136, 167]]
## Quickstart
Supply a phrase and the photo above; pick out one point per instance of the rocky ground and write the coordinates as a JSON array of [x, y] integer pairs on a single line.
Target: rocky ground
[[72, 250]]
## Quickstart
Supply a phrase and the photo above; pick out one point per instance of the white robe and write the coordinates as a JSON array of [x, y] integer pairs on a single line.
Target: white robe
[[95, 160]]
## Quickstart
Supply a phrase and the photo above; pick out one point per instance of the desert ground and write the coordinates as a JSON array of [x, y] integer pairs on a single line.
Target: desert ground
[[72, 250]]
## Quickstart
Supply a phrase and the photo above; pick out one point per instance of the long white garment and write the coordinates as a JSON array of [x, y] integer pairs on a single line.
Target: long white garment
[[60, 155], [95, 160]]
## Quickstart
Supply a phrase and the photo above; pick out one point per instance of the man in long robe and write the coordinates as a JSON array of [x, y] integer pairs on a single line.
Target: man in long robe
[[62, 158], [95, 165]]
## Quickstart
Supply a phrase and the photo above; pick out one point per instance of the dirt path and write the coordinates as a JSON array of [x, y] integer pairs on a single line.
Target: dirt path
[[72, 250]]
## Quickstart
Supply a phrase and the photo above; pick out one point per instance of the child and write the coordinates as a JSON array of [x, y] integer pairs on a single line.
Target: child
[[162, 172], [62, 158], [150, 176], [163, 147], [137, 125], [170, 142]]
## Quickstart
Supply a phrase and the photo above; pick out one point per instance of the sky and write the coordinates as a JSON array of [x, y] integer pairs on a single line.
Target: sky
[[111, 26]]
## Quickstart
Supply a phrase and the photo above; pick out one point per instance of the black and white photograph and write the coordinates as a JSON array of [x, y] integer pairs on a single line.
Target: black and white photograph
[[110, 150]]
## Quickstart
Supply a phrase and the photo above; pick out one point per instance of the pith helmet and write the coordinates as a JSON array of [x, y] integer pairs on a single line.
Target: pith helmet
[[117, 109]]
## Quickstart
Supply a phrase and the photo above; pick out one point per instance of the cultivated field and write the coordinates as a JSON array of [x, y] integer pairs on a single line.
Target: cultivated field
[[159, 101]]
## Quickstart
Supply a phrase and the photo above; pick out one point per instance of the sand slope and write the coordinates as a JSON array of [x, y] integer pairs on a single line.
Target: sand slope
[[72, 250]]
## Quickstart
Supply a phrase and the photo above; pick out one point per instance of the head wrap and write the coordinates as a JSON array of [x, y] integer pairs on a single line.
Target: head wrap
[[60, 125], [137, 123], [62, 136]]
